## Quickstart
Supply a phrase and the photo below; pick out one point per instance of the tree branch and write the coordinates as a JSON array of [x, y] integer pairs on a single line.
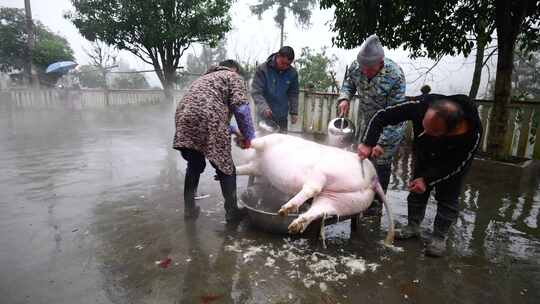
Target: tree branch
[[489, 56], [429, 70]]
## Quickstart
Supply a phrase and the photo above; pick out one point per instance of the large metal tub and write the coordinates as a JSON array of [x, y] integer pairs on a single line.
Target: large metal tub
[[263, 201]]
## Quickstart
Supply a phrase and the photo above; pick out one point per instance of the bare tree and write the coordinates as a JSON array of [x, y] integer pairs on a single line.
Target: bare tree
[[102, 57], [300, 9]]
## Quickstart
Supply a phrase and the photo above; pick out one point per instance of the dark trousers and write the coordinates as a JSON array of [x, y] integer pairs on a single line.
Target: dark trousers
[[196, 163], [283, 125], [383, 173], [447, 197], [195, 166]]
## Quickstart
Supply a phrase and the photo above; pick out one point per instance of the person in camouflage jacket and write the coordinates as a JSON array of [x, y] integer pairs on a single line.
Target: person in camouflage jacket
[[380, 83]]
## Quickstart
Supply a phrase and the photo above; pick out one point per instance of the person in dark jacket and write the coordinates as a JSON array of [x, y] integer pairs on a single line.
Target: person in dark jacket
[[275, 89], [447, 132]]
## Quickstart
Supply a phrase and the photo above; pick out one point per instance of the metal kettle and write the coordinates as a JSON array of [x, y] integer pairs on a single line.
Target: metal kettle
[[341, 132]]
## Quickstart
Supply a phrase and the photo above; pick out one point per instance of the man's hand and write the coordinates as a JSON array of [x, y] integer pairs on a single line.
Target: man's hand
[[343, 108], [267, 113], [294, 119], [417, 185], [377, 151], [367, 151], [364, 151]]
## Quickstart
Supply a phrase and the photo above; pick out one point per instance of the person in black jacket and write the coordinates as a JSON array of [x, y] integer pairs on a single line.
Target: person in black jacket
[[447, 132]]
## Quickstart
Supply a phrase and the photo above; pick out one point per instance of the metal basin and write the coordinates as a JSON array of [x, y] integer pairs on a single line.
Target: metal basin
[[262, 202]]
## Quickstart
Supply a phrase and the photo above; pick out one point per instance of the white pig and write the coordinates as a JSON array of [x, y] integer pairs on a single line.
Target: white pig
[[339, 183]]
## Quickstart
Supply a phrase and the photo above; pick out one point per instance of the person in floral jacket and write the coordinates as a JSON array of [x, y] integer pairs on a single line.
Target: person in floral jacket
[[380, 83], [203, 131]]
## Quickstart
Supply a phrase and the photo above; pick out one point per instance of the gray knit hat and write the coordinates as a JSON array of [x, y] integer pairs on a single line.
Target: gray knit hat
[[371, 51]]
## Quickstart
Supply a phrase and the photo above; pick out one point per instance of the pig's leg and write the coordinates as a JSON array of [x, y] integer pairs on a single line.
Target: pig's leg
[[250, 168], [311, 188], [322, 205]]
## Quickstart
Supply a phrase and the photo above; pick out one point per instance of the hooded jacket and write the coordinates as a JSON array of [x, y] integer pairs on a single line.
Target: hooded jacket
[[274, 89]]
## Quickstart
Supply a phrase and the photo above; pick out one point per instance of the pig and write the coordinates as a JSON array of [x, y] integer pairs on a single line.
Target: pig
[[338, 181]]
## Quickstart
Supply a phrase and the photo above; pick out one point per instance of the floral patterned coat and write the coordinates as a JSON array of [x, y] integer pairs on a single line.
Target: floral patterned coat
[[203, 115]]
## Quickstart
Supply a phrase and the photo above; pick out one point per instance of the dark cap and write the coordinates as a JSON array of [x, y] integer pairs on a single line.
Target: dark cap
[[287, 52]]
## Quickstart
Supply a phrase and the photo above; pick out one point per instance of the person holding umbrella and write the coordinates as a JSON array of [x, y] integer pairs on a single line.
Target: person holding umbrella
[[61, 67]]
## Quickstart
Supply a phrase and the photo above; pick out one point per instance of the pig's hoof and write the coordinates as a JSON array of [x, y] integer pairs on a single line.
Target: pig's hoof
[[283, 212], [296, 227]]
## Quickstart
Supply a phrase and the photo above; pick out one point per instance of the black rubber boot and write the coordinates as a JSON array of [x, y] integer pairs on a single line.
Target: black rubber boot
[[191, 210], [410, 231], [436, 247], [416, 209], [443, 221], [228, 189]]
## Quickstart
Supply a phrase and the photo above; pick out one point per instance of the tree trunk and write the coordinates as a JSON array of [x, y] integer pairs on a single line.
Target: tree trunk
[[170, 80], [29, 66], [105, 85], [280, 19], [478, 65], [509, 17], [282, 28]]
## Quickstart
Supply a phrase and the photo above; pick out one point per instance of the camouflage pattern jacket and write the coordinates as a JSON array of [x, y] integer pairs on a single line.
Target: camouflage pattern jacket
[[384, 90]]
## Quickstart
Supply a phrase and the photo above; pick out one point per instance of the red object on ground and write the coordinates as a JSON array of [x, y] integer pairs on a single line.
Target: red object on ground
[[210, 298], [165, 262]]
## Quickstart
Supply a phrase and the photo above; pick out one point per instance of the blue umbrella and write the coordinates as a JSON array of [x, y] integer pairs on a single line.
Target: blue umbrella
[[61, 67]]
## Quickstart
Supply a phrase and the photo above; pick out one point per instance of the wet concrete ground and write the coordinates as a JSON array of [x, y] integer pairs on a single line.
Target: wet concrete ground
[[90, 200]]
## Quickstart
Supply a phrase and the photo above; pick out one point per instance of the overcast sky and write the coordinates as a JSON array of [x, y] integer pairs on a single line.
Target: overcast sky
[[255, 39]]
